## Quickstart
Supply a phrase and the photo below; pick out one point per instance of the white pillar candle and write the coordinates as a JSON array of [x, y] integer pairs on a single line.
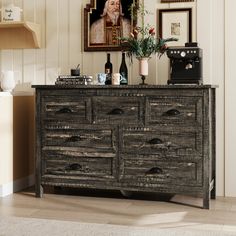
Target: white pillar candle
[[143, 66]]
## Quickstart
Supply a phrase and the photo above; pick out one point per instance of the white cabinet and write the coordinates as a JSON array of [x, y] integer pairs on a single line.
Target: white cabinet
[[6, 143]]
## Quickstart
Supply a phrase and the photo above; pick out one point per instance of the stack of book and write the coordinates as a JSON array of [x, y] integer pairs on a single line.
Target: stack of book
[[73, 80]]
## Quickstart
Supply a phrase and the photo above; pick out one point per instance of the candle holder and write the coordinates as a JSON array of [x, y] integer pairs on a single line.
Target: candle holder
[[143, 77]]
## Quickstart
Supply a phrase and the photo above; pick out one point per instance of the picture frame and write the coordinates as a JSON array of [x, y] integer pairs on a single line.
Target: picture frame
[[172, 1], [100, 31], [176, 23]]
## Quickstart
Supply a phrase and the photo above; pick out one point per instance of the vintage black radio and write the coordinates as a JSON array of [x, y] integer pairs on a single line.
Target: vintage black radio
[[185, 64]]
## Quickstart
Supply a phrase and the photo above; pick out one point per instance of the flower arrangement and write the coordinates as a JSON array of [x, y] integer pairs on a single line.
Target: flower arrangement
[[143, 42]]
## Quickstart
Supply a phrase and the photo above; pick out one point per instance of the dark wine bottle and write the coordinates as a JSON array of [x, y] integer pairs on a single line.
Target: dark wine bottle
[[123, 71], [108, 69]]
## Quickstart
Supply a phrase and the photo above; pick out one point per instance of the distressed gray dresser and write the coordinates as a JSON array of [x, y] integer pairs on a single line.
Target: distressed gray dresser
[[137, 138]]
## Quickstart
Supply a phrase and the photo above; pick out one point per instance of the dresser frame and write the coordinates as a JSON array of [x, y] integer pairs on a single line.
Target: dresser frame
[[161, 138]]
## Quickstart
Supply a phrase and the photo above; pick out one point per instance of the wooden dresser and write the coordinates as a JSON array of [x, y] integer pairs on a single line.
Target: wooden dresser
[[136, 138]]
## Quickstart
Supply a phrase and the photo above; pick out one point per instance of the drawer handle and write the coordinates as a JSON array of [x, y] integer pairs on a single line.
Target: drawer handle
[[116, 111], [155, 141], [154, 171], [74, 167], [171, 112], [75, 138], [64, 110]]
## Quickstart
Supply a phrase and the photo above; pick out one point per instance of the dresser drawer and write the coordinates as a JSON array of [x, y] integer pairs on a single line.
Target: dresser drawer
[[150, 171], [175, 109], [165, 140], [66, 107], [89, 138], [118, 110], [83, 166]]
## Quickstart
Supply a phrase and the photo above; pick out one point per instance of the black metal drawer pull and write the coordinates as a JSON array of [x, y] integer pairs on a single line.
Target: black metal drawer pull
[[72, 139], [64, 110], [155, 141], [171, 112], [74, 167], [116, 111], [154, 171]]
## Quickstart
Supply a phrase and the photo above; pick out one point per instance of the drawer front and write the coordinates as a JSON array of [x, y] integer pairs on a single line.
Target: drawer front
[[79, 167], [65, 107], [173, 173], [118, 110], [162, 140], [89, 138], [175, 109]]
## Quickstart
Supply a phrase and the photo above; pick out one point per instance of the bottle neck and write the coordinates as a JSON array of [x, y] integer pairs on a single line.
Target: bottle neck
[[108, 57], [123, 56]]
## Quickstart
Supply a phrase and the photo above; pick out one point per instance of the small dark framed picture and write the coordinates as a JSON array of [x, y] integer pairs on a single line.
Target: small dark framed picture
[[176, 23], [105, 21], [170, 1]]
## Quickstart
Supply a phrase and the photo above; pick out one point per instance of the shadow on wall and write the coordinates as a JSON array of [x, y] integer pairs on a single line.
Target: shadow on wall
[[23, 139]]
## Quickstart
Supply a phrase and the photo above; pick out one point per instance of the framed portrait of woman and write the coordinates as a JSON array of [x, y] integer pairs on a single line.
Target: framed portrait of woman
[[105, 21]]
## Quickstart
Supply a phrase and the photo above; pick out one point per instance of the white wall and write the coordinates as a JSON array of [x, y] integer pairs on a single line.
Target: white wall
[[6, 143], [230, 98], [62, 42], [210, 35]]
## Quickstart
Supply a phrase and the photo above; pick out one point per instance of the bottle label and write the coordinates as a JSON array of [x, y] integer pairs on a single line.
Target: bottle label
[[123, 79], [107, 71]]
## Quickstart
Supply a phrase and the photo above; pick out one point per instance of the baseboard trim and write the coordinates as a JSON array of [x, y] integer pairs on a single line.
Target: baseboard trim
[[17, 185], [6, 189]]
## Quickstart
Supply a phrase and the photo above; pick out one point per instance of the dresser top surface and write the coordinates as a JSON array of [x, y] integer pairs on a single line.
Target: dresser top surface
[[179, 86]]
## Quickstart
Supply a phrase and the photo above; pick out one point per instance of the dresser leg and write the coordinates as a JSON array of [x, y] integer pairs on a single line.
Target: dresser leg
[[213, 192], [206, 203], [39, 191]]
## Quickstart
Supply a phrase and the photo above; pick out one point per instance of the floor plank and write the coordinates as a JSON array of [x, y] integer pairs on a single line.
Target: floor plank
[[110, 207]]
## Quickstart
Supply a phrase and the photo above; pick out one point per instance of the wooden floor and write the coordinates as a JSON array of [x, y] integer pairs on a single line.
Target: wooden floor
[[147, 210]]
